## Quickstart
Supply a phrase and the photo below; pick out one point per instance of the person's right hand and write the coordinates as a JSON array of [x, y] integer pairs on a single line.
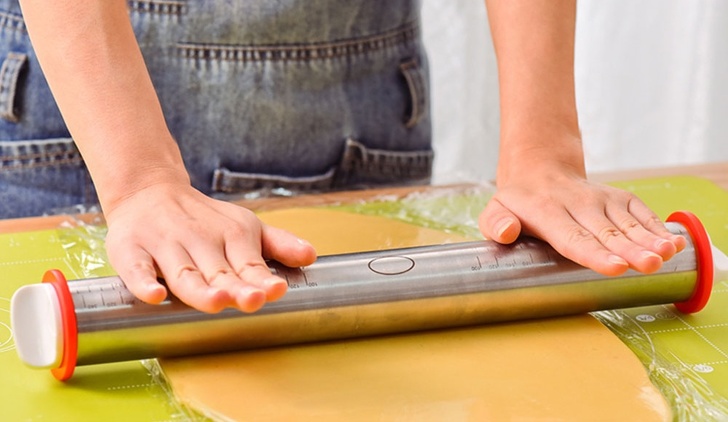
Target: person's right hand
[[210, 253]]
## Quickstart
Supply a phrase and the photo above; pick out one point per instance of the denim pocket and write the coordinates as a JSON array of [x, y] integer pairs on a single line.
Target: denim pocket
[[362, 166], [38, 176], [359, 166], [41, 170]]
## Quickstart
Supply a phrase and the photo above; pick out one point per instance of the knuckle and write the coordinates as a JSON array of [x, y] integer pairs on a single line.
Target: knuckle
[[608, 234], [142, 268], [220, 272], [628, 225], [629, 198], [185, 271], [579, 235], [248, 270], [654, 223], [235, 231]]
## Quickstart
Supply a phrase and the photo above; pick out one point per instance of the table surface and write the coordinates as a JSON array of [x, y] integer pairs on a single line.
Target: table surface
[[716, 173]]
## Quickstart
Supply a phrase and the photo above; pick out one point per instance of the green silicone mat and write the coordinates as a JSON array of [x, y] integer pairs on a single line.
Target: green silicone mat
[[114, 392], [686, 356]]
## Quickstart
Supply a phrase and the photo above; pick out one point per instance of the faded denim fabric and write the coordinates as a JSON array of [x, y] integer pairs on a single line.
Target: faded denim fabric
[[261, 95]]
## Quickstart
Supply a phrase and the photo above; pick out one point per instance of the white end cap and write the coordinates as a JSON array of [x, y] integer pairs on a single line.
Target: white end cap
[[35, 317], [720, 265]]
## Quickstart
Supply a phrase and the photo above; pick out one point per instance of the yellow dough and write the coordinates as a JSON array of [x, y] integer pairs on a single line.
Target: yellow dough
[[558, 369]]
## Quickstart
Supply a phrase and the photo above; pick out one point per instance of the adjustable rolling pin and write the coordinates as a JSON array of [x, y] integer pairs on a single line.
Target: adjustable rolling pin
[[60, 324]]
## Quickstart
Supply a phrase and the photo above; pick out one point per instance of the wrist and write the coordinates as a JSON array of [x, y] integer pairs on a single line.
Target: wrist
[[128, 172], [540, 155]]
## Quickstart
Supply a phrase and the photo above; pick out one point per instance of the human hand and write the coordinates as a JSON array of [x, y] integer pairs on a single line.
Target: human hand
[[606, 229], [209, 252]]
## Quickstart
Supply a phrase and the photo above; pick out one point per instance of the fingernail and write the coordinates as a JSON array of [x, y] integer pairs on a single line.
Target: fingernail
[[214, 291], [252, 300], [274, 282], [618, 260], [156, 288], [679, 241], [660, 243], [503, 226], [303, 242], [650, 255], [153, 287]]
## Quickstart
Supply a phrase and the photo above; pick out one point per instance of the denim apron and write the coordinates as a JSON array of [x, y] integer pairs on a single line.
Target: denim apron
[[262, 96]]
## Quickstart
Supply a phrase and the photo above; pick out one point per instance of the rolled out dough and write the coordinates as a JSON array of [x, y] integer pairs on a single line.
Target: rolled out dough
[[558, 369]]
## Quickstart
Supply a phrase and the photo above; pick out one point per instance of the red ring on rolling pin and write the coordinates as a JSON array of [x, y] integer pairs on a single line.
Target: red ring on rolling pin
[[68, 323], [703, 259]]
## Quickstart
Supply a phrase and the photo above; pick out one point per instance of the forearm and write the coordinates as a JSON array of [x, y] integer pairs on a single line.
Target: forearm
[[96, 72], [534, 43]]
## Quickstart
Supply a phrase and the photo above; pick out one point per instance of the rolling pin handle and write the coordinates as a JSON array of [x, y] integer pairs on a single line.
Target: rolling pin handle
[[68, 321], [44, 320], [703, 260]]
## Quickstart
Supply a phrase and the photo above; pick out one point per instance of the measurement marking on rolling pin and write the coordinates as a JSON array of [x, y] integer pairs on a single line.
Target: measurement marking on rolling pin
[[291, 284], [477, 267], [308, 283]]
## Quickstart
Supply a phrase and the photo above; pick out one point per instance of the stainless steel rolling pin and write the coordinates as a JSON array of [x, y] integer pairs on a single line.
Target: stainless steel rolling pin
[[60, 324]]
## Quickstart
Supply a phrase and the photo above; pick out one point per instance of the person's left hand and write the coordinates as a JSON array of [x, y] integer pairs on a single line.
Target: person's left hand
[[606, 229]]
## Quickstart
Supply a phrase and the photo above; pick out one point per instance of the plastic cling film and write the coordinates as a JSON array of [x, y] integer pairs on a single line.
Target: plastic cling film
[[690, 396], [454, 210], [83, 244], [182, 413], [85, 250]]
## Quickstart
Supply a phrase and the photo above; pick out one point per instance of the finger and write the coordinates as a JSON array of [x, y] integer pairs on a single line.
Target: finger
[[615, 240], [136, 269], [636, 232], [217, 271], [574, 241], [652, 222], [286, 248], [244, 296], [246, 260], [186, 281], [498, 223]]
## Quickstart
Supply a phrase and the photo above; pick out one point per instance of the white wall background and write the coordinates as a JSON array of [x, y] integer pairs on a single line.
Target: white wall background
[[651, 81]]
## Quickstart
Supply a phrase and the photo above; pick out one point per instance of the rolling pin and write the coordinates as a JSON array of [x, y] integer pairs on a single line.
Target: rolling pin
[[61, 324]]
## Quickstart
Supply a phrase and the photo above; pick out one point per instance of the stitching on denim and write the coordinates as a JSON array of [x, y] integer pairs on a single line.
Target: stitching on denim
[[9, 73], [53, 161], [410, 164], [364, 165], [416, 85], [61, 154], [357, 165], [12, 21], [227, 181], [315, 51], [160, 7]]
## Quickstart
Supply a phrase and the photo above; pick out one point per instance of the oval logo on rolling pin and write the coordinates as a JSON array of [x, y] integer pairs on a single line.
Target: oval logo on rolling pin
[[391, 265]]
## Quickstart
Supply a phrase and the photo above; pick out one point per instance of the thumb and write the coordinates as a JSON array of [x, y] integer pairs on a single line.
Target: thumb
[[498, 223]]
